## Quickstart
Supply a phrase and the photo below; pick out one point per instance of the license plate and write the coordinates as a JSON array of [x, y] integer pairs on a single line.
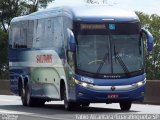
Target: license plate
[[112, 96]]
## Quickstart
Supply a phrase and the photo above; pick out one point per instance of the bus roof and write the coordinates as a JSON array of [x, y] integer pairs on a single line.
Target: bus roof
[[103, 13], [83, 13]]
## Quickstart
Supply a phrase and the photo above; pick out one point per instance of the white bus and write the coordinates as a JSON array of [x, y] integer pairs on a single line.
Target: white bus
[[81, 55]]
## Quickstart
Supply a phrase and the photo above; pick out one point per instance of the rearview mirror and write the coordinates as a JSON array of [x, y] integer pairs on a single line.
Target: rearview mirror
[[150, 39], [72, 42]]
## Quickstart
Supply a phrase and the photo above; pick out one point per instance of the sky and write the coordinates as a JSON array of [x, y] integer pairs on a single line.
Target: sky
[[146, 6]]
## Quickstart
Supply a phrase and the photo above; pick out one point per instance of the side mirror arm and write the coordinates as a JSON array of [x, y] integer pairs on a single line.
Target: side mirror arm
[[150, 39], [71, 42]]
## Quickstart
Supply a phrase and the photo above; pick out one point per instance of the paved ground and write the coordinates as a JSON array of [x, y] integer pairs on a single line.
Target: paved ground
[[11, 109]]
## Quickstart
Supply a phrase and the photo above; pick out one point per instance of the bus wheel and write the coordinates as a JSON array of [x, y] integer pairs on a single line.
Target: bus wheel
[[39, 103], [29, 100], [23, 96], [125, 105], [67, 104], [85, 104]]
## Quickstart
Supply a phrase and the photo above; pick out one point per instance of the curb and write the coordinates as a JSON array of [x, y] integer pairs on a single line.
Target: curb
[[5, 87], [152, 92]]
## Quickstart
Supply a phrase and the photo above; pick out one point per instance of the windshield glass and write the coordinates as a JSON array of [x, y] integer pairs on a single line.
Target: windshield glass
[[104, 50], [127, 50], [91, 52]]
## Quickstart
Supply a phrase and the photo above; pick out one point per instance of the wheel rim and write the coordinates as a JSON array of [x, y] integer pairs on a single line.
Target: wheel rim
[[126, 106], [65, 99], [28, 96], [23, 95], [85, 104]]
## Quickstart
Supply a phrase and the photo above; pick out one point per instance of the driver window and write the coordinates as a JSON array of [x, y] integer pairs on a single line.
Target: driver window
[[70, 59]]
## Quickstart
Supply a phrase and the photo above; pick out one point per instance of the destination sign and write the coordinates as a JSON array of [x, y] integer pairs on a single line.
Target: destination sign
[[93, 26]]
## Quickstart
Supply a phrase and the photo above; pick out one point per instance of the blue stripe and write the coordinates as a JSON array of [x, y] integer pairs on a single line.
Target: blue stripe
[[114, 82]]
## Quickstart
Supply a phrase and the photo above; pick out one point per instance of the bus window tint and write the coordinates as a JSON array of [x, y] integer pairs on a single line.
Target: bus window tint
[[102, 50]]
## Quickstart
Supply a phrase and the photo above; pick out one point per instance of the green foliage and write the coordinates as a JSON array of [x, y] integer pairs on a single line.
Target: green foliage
[[13, 8], [33, 5], [152, 23], [3, 55], [3, 43]]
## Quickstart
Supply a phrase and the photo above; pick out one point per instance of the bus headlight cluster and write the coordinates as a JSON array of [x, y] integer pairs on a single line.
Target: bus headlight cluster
[[83, 84], [138, 84]]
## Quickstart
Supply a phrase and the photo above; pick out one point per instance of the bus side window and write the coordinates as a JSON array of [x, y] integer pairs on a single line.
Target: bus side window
[[49, 23], [23, 40], [49, 32], [70, 59], [67, 23], [48, 41], [70, 56], [58, 37], [52, 26], [16, 36], [30, 34], [39, 33]]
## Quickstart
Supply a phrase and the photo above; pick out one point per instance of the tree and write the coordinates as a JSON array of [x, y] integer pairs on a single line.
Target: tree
[[13, 8], [3, 55], [152, 23], [34, 5]]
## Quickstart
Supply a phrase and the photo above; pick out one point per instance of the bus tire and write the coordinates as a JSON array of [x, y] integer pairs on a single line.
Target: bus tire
[[29, 99], [67, 104], [23, 96], [85, 104], [125, 105], [38, 102]]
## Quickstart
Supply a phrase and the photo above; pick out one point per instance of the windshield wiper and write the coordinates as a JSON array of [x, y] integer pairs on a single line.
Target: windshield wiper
[[124, 67], [102, 63]]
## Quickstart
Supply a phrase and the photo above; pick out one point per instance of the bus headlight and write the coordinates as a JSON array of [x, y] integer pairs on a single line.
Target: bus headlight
[[83, 84], [76, 81], [138, 84]]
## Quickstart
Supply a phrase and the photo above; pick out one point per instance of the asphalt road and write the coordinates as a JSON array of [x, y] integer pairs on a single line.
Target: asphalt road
[[11, 109]]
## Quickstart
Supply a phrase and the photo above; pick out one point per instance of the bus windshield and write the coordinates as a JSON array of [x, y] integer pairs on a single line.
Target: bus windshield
[[105, 50]]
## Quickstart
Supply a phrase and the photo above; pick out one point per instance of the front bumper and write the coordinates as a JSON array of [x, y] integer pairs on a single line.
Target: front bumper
[[101, 96]]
